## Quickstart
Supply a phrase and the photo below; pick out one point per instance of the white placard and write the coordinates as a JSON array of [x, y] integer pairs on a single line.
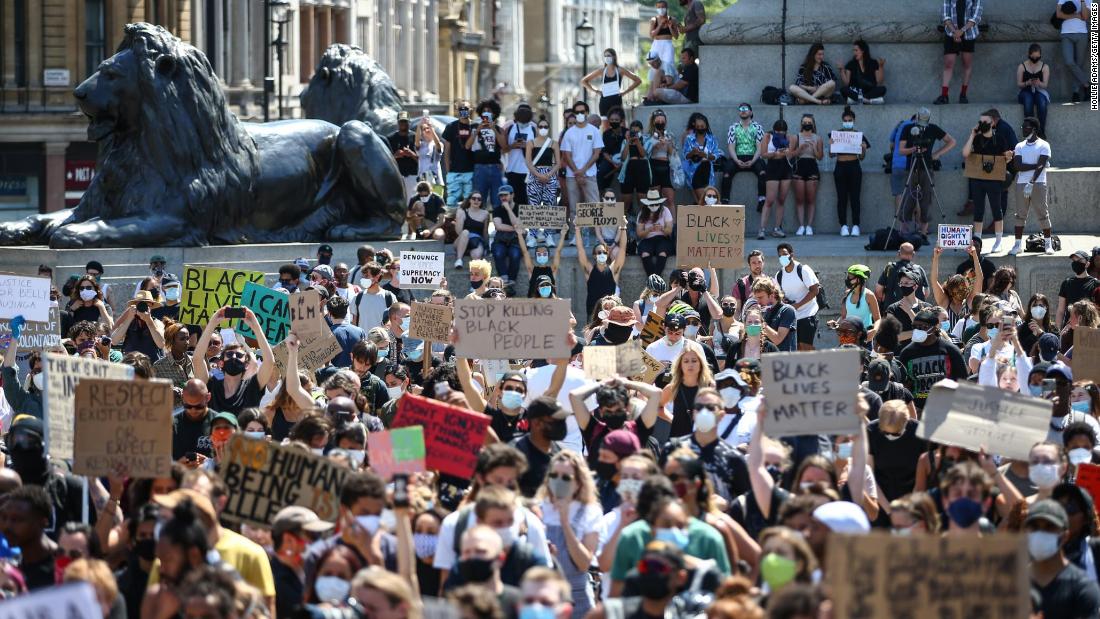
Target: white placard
[[62, 372], [26, 296], [56, 77], [953, 236], [421, 270], [846, 142], [74, 600]]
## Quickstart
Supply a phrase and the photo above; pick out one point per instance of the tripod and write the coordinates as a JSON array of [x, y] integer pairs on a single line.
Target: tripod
[[913, 192]]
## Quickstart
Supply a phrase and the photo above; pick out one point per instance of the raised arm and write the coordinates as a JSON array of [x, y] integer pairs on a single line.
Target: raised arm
[[979, 277], [620, 258], [937, 287], [761, 481], [556, 260], [576, 400], [857, 480], [267, 368], [652, 396], [202, 372], [292, 383], [473, 396], [118, 333]]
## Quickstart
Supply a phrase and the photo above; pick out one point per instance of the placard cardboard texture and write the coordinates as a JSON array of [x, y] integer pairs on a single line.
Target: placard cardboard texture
[[1086, 354], [26, 296], [272, 309], [400, 450], [976, 164], [811, 392], [653, 329], [452, 436], [305, 314], [512, 328], [1088, 477], [62, 372], [846, 142], [207, 289], [312, 355], [72, 600], [710, 236], [953, 236], [653, 368], [421, 270], [123, 423], [535, 216], [430, 322], [37, 335], [974, 416], [602, 362], [590, 214]]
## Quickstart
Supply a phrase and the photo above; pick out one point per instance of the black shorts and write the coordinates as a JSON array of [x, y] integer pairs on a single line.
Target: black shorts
[[701, 177], [609, 103], [662, 176], [655, 245], [778, 170], [805, 169], [636, 179], [807, 330], [951, 47]]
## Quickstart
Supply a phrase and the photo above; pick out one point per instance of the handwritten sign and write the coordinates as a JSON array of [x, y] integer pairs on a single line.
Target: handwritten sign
[[265, 477], [710, 236], [123, 422], [397, 451], [421, 270], [846, 142], [430, 322], [602, 362], [452, 436], [811, 392], [985, 167], [954, 237], [653, 368], [1086, 353], [73, 600], [26, 296], [973, 416], [494, 369], [599, 213], [512, 328], [206, 289], [305, 314], [881, 576], [1088, 477], [653, 329], [312, 354], [62, 373], [535, 216], [272, 312], [37, 335]]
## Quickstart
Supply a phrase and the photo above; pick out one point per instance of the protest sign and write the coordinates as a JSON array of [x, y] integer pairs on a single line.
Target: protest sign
[[62, 372], [512, 328], [493, 369], [653, 367], [123, 422], [972, 416], [954, 237], [653, 329], [985, 167], [26, 296], [272, 312], [602, 362], [1088, 477], [710, 236], [265, 477], [305, 315], [430, 322], [1086, 354], [312, 355], [811, 392], [400, 450], [846, 142], [421, 270], [881, 576], [72, 600], [207, 289], [599, 214], [452, 436], [37, 335], [535, 216]]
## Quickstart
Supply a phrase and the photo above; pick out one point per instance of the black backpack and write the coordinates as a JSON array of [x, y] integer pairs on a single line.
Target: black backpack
[[1036, 243], [822, 300], [885, 239], [770, 95]]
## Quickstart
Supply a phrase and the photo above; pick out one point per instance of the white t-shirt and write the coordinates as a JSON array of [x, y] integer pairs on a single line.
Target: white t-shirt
[[664, 352], [516, 162], [586, 522], [538, 381], [445, 557], [1029, 153], [580, 142], [608, 524], [742, 432], [1074, 25], [795, 289]]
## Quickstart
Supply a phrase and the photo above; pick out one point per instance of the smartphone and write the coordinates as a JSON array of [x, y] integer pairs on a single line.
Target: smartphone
[[1048, 386], [424, 113], [234, 312], [142, 307], [401, 490]]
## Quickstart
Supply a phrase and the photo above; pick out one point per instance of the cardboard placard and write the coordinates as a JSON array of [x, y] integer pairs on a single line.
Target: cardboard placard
[[811, 392], [312, 355], [452, 436], [548, 216], [974, 416], [602, 362], [272, 309], [207, 289], [512, 328], [59, 401], [123, 422], [421, 270], [591, 214], [653, 329], [653, 368], [400, 450], [846, 142], [985, 167], [37, 335], [264, 477], [430, 322], [305, 315], [953, 236], [710, 236], [72, 600], [494, 369], [881, 576], [1088, 477], [26, 296], [1086, 354]]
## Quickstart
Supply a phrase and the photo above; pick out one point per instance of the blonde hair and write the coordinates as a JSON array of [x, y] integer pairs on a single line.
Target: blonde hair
[[706, 377], [389, 584], [481, 267], [98, 574], [586, 488], [893, 415], [768, 286]]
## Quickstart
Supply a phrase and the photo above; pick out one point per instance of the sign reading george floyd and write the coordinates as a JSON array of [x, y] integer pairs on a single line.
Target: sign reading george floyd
[[207, 289], [535, 216], [880, 576], [37, 335], [421, 270], [512, 328], [265, 477], [975, 417], [272, 309], [430, 322], [26, 296], [452, 436], [1086, 354], [953, 236], [123, 423], [710, 236], [602, 362], [811, 392], [599, 214], [62, 373], [305, 315]]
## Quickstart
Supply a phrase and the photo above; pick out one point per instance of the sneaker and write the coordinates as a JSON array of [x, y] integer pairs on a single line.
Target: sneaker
[[801, 230], [549, 240], [1048, 247], [844, 230], [531, 242], [778, 233], [1015, 248], [996, 246], [761, 235], [940, 100], [809, 230], [851, 101], [877, 101], [963, 99], [855, 230], [458, 263]]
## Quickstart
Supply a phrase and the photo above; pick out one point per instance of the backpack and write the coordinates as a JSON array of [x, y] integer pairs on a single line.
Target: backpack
[[388, 297], [822, 300], [1036, 243], [770, 95], [885, 239]]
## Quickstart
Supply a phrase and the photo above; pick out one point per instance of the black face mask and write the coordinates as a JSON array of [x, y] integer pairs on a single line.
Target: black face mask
[[906, 290], [146, 549], [29, 462], [475, 570], [659, 126], [615, 123], [728, 312], [606, 470], [556, 430], [984, 126], [233, 367], [615, 421], [523, 115], [1078, 267], [617, 334], [807, 127], [654, 586]]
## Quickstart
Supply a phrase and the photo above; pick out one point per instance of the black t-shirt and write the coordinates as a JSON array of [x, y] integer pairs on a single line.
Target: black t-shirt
[[408, 166], [1071, 595], [38, 575], [927, 140], [895, 391], [166, 311], [927, 364], [1074, 289], [455, 135], [404, 296], [190, 435], [966, 267], [288, 589], [506, 426], [991, 145], [889, 277], [247, 396], [896, 311], [538, 463], [433, 208], [859, 76], [726, 467], [895, 460], [690, 74], [612, 145], [485, 150]]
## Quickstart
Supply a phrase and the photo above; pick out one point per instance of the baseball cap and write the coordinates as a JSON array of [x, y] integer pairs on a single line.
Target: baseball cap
[[325, 249], [843, 517], [853, 324], [1060, 369], [675, 321], [157, 258], [28, 423], [296, 518], [504, 189], [1082, 254], [324, 271], [924, 116], [230, 417], [878, 375], [302, 263], [544, 406], [622, 443], [621, 315], [402, 115], [1048, 346], [1049, 510], [512, 375], [543, 280]]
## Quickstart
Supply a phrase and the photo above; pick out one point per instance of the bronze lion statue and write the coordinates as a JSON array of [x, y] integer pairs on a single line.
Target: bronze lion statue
[[177, 168]]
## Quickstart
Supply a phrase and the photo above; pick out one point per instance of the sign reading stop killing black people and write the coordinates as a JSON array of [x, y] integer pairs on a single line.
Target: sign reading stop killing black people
[[710, 236], [512, 328], [811, 392], [421, 270]]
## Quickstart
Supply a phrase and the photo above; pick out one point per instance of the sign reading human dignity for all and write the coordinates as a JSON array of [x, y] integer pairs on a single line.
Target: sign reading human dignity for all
[[599, 214], [1086, 353], [207, 289], [421, 270], [953, 236], [123, 425], [26, 296], [512, 328], [62, 373], [548, 216], [452, 436], [710, 236], [975, 417], [272, 309], [811, 392], [430, 322]]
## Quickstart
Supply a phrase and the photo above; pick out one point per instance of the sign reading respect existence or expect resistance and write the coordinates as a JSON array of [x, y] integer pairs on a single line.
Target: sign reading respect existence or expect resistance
[[124, 423], [811, 392], [512, 328], [975, 417], [26, 296], [421, 270], [206, 289], [710, 236], [953, 236]]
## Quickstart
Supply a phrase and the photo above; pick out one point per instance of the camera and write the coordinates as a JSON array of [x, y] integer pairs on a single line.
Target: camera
[[142, 307], [987, 166]]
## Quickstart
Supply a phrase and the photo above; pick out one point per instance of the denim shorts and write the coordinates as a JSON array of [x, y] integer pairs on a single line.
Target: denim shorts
[[459, 186], [897, 181]]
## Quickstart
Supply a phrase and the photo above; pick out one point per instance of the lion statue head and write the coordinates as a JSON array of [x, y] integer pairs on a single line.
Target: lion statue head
[[349, 85], [159, 113]]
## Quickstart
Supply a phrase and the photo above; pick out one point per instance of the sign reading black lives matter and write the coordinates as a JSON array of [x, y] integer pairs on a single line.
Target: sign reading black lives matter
[[421, 270], [811, 392], [710, 236], [512, 328]]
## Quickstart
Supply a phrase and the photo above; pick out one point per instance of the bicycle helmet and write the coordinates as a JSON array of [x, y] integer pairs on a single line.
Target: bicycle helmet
[[657, 284], [861, 271]]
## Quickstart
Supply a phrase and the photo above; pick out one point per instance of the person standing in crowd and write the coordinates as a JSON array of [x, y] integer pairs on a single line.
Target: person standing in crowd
[[403, 146], [662, 30], [654, 229], [236, 390], [571, 511], [137, 330], [776, 150], [543, 163], [816, 80], [960, 29], [580, 151], [611, 157], [175, 365], [601, 278], [863, 76], [662, 150], [609, 83], [88, 303], [742, 288], [859, 302], [886, 289], [472, 223], [429, 152], [458, 164], [848, 177], [920, 142], [1030, 159], [700, 150], [1077, 287], [1067, 591], [983, 140], [1075, 16], [373, 300], [930, 357], [635, 175], [518, 133], [799, 282], [506, 241], [695, 15], [486, 144], [743, 142], [542, 265], [809, 149], [1033, 78]]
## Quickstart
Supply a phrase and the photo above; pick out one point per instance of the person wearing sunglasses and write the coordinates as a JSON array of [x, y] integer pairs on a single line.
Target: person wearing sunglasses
[[472, 222], [88, 302], [236, 391], [571, 511]]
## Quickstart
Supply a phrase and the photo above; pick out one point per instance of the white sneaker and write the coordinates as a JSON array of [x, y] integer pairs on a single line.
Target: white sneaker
[[844, 231], [549, 240], [877, 101], [1015, 249], [855, 230], [851, 101], [531, 238], [801, 230], [458, 263], [1049, 247], [809, 230], [573, 241], [996, 246]]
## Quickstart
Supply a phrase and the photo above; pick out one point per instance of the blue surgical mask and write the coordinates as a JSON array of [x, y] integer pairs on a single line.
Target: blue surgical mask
[[1036, 390], [536, 611], [511, 399], [405, 322], [784, 261], [992, 332], [1081, 407], [844, 451], [383, 353], [946, 325], [544, 291], [256, 435], [542, 259], [847, 124], [416, 354], [676, 537]]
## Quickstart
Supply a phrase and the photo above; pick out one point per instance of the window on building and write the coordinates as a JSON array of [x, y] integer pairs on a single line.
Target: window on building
[[20, 52], [95, 42]]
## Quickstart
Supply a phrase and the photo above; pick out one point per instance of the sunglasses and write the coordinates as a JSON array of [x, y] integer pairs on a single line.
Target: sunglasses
[[654, 566], [561, 476], [706, 407], [729, 306], [990, 325], [194, 407], [475, 199], [233, 355]]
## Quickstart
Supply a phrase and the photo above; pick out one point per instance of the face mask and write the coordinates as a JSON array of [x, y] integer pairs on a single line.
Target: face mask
[[710, 200], [415, 354], [39, 382], [172, 294], [542, 259], [1042, 545], [753, 330], [629, 488], [946, 325], [425, 543], [601, 258], [984, 126], [233, 367], [331, 589], [919, 335], [87, 295], [1038, 312], [1043, 475], [964, 511], [777, 570], [662, 12], [674, 536], [606, 470], [383, 353], [615, 422], [545, 291], [894, 437], [544, 132], [357, 457], [784, 261], [366, 282], [730, 396], [992, 332], [847, 124], [405, 322], [511, 399], [608, 59], [370, 523], [907, 290], [705, 420], [617, 334], [1080, 407], [146, 549], [557, 430], [536, 611], [807, 127], [475, 570], [653, 208], [318, 451], [846, 338], [691, 331], [1035, 390], [1077, 456], [906, 532], [507, 536], [395, 392], [844, 451], [1078, 268], [560, 489], [255, 435]]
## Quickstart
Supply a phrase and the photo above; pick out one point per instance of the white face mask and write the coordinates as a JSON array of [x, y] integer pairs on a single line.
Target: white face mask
[[1042, 545], [653, 299], [1038, 312], [730, 396], [784, 260], [332, 589], [1079, 456], [507, 536], [39, 381], [653, 208], [424, 199], [628, 489], [1043, 475], [318, 451], [255, 435], [87, 295], [395, 392], [609, 60], [691, 330], [366, 282], [662, 12], [710, 200], [601, 258], [370, 523], [705, 420], [172, 294], [919, 335], [544, 132], [357, 456]]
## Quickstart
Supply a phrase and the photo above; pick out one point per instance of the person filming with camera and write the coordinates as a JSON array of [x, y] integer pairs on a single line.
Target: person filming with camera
[[919, 146], [983, 141]]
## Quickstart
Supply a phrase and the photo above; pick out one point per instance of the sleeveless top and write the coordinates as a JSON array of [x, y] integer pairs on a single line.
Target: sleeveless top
[[547, 158], [666, 31], [600, 283], [863, 311], [683, 404], [538, 271], [611, 83], [280, 426], [812, 139], [1028, 75], [474, 226]]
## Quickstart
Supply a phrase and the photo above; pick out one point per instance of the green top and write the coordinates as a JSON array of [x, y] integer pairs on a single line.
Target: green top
[[704, 542]]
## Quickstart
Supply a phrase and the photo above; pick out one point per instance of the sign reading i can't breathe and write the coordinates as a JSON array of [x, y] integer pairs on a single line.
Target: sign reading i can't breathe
[[421, 270], [811, 392], [272, 312], [954, 237], [710, 236]]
